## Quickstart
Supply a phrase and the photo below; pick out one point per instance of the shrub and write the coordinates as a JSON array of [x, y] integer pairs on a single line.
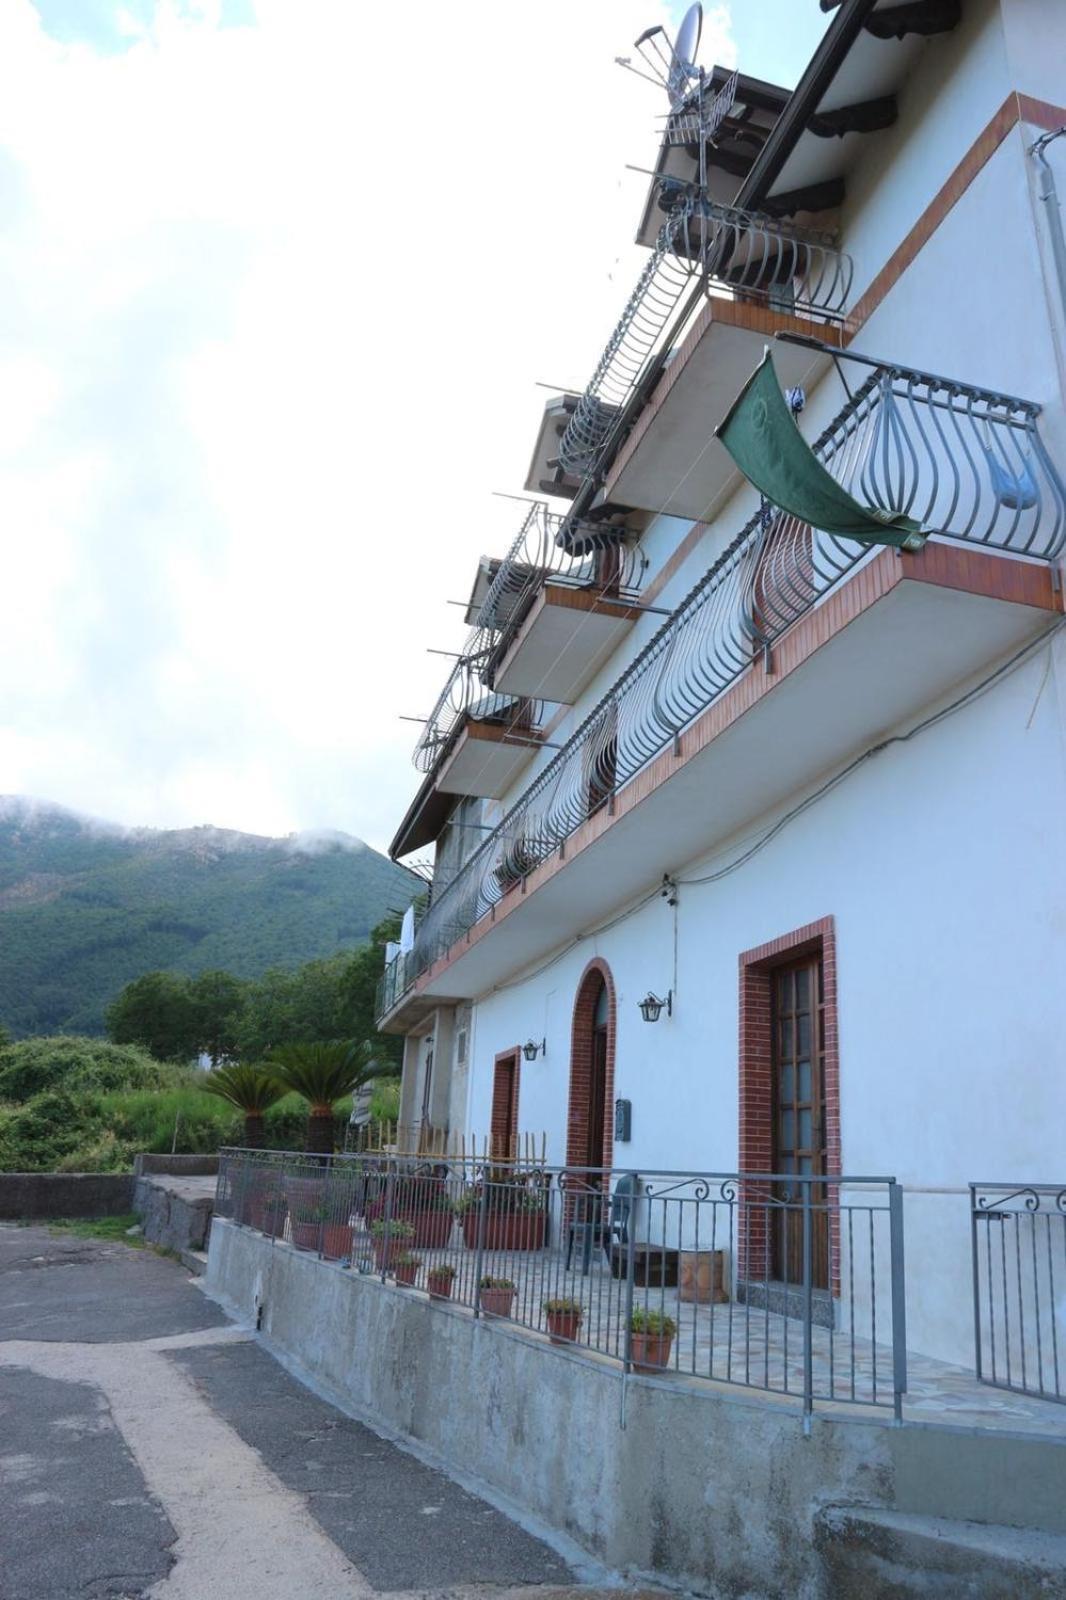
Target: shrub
[[564, 1308], [653, 1322], [394, 1229], [488, 1282], [32, 1066]]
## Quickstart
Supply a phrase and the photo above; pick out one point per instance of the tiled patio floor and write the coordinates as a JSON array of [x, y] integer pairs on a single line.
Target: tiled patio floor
[[742, 1345]]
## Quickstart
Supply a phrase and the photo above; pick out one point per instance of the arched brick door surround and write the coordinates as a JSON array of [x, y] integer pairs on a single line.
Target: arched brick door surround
[[581, 1046]]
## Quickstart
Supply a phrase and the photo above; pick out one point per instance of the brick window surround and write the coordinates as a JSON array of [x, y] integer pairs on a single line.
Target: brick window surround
[[756, 1140], [503, 1124], [577, 1125]]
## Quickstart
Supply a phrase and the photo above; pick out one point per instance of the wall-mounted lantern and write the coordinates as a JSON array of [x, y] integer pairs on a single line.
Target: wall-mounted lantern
[[651, 1007], [531, 1049]]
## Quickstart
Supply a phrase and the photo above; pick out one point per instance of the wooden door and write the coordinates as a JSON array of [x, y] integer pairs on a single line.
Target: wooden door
[[798, 1061], [598, 1082]]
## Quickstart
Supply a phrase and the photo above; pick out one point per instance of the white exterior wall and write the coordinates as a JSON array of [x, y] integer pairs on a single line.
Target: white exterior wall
[[942, 864]]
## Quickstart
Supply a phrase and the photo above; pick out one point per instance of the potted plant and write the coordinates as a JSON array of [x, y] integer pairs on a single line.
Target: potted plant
[[405, 1269], [423, 1201], [496, 1296], [306, 1223], [439, 1281], [651, 1334], [564, 1320], [390, 1239], [336, 1236], [515, 1212]]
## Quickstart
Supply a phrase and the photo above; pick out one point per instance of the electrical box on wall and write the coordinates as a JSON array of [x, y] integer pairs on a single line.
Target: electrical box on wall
[[623, 1121]]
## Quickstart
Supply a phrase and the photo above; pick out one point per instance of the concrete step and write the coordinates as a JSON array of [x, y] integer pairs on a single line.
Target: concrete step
[[195, 1261], [895, 1555]]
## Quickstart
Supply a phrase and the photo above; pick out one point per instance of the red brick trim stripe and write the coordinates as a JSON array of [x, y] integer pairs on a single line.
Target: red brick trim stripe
[[755, 1136], [577, 1122]]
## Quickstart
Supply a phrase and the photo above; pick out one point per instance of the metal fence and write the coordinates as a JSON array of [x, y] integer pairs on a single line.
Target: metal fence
[[1018, 1235], [785, 1284]]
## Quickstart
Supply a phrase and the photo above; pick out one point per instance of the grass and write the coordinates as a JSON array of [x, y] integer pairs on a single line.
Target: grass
[[114, 1229]]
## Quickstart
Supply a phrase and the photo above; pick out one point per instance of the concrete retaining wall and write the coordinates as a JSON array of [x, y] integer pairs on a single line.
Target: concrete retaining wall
[[27, 1195], [707, 1488]]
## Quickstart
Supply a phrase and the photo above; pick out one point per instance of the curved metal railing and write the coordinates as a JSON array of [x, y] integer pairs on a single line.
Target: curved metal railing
[[536, 556], [968, 462], [465, 696], [748, 255]]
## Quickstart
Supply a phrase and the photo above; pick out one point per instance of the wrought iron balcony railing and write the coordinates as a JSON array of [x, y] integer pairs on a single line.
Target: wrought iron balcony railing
[[602, 558], [739, 253], [970, 463], [535, 556]]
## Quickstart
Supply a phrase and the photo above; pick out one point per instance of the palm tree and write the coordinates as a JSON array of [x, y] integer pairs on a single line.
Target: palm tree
[[323, 1073], [252, 1090]]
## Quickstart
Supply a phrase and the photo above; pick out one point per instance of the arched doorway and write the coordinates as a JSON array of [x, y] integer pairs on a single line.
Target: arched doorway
[[589, 1140]]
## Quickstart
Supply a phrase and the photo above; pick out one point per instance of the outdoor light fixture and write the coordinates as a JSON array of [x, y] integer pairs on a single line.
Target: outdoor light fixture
[[651, 1006], [531, 1049]]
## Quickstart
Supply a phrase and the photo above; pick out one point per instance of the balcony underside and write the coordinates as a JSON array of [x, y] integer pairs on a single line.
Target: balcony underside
[[901, 633], [487, 760], [671, 462], [563, 642], [546, 475]]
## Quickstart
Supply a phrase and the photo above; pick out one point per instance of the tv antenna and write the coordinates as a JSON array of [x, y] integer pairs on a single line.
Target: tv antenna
[[692, 118]]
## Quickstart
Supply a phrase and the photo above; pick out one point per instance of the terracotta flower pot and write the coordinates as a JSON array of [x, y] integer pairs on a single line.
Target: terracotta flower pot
[[387, 1249], [433, 1227], [506, 1230], [650, 1352], [406, 1273], [439, 1285], [497, 1302], [337, 1240], [563, 1326], [305, 1235]]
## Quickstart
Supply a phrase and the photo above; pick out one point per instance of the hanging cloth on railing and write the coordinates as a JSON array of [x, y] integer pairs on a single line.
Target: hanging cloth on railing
[[761, 435], [1016, 491]]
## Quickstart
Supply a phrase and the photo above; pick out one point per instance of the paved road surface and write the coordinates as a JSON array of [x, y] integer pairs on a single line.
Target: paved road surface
[[152, 1450]]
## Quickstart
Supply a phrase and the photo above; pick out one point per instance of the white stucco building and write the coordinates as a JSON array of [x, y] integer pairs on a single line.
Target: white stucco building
[[808, 791]]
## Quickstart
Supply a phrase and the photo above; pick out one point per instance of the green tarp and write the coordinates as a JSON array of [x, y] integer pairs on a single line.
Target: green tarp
[[761, 435]]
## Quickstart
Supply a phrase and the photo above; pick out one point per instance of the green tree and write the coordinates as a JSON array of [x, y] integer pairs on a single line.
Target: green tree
[[34, 1066], [218, 1000], [358, 996], [158, 1012], [293, 1007], [252, 1090], [323, 1072]]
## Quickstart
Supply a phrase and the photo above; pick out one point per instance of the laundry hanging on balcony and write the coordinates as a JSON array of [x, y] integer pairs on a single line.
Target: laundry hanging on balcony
[[761, 435]]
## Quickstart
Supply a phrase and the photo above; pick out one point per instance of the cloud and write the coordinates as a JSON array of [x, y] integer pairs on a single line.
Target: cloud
[[277, 298]]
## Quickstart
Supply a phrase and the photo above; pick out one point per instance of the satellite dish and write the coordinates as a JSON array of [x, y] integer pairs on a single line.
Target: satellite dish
[[683, 56]]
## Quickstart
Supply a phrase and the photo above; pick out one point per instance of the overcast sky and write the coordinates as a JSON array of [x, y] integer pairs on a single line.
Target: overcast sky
[[278, 279]]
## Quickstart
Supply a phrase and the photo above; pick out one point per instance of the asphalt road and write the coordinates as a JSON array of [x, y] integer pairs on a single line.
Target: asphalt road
[[152, 1450]]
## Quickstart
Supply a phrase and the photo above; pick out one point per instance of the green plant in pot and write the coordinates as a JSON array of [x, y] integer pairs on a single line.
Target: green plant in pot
[[439, 1281], [511, 1207], [651, 1334], [405, 1269], [390, 1237], [496, 1296], [564, 1319]]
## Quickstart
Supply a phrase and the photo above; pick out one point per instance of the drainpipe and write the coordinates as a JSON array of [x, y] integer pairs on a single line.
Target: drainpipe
[[1049, 195]]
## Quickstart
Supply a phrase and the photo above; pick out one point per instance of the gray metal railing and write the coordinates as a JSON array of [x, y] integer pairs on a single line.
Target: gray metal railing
[[1018, 1238], [739, 253], [968, 463], [785, 1284]]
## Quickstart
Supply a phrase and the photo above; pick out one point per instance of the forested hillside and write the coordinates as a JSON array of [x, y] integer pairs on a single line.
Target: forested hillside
[[86, 907]]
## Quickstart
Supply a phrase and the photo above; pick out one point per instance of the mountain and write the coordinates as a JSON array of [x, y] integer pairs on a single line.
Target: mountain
[[85, 906]]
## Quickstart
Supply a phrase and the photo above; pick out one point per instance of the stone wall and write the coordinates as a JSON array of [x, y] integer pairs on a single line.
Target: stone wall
[[25, 1196], [175, 1212], [178, 1166]]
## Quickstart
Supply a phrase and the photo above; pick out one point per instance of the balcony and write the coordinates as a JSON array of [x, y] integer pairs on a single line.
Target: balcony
[[786, 622], [546, 474], [565, 639], [759, 275]]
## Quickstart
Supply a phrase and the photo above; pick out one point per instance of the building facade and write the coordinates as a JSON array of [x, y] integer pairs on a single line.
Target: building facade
[[748, 833]]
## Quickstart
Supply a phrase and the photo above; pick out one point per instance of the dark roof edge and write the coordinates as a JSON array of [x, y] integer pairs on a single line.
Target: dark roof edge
[[401, 843], [804, 100]]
